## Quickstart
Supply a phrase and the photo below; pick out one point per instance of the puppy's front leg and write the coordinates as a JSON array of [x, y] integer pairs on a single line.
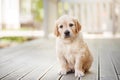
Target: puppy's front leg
[[79, 71], [64, 65]]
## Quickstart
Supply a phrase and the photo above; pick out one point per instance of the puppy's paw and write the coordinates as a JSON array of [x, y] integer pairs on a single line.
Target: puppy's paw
[[62, 72], [79, 73]]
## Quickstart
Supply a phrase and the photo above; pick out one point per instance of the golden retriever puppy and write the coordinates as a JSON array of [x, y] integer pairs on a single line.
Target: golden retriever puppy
[[72, 52]]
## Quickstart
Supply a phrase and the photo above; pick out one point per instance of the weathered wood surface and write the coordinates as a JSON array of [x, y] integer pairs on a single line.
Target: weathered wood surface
[[36, 60]]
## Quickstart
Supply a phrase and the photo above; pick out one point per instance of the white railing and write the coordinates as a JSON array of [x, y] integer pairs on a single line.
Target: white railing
[[94, 16]]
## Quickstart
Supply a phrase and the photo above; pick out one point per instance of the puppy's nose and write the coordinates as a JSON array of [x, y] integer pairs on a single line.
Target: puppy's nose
[[67, 33]]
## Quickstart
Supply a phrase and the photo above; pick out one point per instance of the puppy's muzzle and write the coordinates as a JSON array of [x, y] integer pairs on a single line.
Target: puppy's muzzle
[[67, 34]]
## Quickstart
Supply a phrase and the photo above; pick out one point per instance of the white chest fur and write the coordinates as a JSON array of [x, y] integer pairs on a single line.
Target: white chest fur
[[69, 51], [69, 54]]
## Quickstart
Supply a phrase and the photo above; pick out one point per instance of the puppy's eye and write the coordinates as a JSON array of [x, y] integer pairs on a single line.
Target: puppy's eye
[[61, 26], [70, 24]]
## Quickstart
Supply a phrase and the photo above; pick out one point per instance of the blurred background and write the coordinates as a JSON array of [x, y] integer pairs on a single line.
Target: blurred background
[[25, 20]]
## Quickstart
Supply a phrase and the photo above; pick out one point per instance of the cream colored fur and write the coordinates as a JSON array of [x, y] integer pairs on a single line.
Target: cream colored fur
[[73, 53]]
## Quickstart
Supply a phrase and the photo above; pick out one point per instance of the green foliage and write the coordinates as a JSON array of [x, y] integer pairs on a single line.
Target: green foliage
[[14, 39], [37, 9]]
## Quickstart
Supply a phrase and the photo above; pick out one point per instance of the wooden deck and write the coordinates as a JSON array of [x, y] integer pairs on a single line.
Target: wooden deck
[[36, 60]]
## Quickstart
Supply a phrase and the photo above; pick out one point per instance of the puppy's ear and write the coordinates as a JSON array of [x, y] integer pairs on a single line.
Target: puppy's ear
[[56, 32], [77, 25]]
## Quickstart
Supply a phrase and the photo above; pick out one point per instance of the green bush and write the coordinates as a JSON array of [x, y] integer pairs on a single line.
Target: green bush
[[37, 9], [15, 39]]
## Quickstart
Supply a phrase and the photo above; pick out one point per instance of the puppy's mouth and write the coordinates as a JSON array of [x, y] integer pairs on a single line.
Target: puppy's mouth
[[67, 36]]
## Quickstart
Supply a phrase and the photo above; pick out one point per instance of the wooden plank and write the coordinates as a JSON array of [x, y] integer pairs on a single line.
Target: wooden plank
[[15, 63], [107, 70], [8, 53], [30, 44], [49, 59], [116, 61], [70, 76], [7, 57], [51, 74], [40, 71], [11, 65], [20, 72], [8, 71], [25, 69], [33, 62], [115, 55], [46, 61], [119, 76], [33, 55]]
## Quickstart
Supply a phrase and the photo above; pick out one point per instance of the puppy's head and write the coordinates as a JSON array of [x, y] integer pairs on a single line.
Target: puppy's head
[[67, 27]]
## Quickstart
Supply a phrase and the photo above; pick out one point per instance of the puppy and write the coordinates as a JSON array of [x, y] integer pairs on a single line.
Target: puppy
[[72, 52]]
